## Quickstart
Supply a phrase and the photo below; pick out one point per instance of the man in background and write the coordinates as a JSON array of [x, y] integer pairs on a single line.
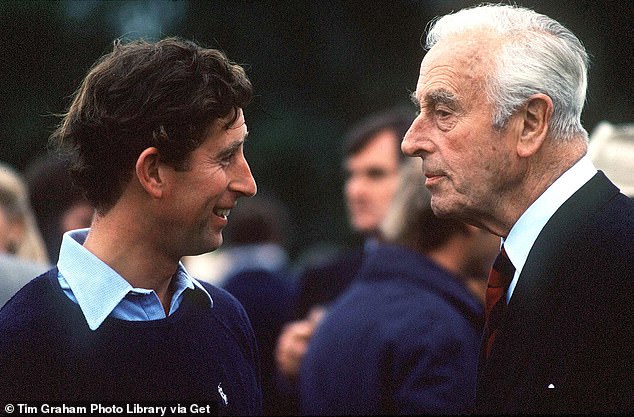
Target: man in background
[[372, 161], [256, 244], [58, 205]]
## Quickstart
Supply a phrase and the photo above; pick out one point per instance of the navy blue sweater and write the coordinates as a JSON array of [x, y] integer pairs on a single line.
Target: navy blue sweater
[[198, 354]]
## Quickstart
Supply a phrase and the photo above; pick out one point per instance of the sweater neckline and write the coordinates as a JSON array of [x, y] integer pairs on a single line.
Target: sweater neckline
[[66, 303]]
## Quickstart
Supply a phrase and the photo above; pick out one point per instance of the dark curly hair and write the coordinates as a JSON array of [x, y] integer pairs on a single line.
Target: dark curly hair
[[165, 94]]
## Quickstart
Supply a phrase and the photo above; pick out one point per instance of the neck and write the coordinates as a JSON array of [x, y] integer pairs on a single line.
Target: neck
[[534, 177], [118, 240]]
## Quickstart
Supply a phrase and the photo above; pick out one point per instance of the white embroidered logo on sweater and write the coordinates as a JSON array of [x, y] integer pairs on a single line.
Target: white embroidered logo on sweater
[[225, 400]]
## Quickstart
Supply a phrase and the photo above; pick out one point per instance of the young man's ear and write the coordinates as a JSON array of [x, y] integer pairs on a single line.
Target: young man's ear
[[536, 115], [148, 172]]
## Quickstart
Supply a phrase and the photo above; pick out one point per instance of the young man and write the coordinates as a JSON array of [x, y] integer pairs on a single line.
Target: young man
[[500, 93], [156, 133]]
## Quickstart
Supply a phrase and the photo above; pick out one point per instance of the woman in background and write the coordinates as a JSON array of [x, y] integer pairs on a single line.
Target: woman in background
[[22, 251]]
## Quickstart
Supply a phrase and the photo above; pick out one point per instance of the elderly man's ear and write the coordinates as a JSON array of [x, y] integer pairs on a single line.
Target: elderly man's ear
[[534, 116]]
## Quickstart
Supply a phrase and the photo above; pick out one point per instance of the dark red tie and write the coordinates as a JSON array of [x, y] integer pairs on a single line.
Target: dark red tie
[[495, 302]]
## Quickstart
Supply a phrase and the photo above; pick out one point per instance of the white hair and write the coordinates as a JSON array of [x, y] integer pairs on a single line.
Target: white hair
[[538, 55]]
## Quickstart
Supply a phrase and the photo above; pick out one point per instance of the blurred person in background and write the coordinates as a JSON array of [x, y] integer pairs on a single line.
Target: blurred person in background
[[22, 237], [258, 237], [22, 251], [404, 338], [371, 164], [611, 149], [501, 91], [58, 204], [155, 135]]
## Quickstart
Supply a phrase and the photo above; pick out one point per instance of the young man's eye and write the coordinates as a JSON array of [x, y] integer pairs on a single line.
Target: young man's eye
[[227, 158]]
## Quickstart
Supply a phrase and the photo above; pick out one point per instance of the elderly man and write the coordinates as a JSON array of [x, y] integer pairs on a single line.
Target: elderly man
[[500, 94]]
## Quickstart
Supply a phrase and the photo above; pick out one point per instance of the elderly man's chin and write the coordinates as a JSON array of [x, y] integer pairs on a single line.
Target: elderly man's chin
[[443, 208]]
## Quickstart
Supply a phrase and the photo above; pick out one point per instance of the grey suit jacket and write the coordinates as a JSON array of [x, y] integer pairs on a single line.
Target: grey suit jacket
[[15, 273], [566, 344]]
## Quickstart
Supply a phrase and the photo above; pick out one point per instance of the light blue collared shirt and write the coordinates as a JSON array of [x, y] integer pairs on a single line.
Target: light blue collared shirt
[[101, 292], [524, 232]]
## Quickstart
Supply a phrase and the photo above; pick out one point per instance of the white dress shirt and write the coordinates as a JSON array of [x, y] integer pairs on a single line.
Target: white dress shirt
[[524, 232]]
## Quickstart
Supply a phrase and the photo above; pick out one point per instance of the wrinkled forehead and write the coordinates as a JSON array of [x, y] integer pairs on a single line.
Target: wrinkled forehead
[[469, 52], [459, 65]]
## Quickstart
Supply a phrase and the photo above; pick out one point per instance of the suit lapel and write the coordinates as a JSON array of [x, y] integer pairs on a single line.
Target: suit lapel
[[519, 334]]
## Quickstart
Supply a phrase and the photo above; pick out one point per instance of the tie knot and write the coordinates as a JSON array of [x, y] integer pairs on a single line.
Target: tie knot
[[502, 272]]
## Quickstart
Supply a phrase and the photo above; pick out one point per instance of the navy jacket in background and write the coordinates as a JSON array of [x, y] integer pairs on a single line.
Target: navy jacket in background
[[267, 298], [403, 339], [322, 284]]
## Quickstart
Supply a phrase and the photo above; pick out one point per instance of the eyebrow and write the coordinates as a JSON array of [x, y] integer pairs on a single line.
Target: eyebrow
[[235, 126], [435, 96], [441, 96], [414, 99], [234, 146]]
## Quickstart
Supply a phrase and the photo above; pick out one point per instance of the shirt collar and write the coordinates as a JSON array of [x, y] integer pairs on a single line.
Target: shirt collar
[[97, 288], [524, 232]]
